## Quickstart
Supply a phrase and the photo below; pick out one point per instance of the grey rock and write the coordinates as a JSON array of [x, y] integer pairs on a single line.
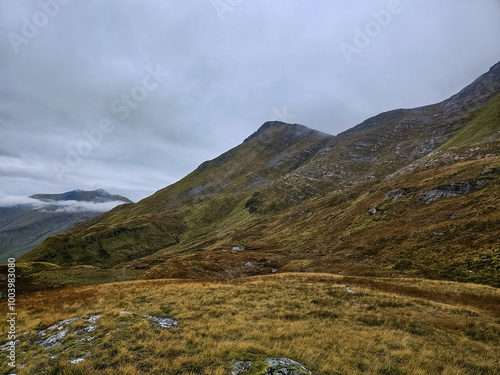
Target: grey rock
[[8, 344], [77, 360], [195, 191], [61, 324], [275, 366], [490, 172], [285, 366], [359, 158], [90, 328], [453, 190], [90, 338], [53, 340], [162, 322], [347, 289], [372, 211], [396, 194], [93, 318], [241, 366]]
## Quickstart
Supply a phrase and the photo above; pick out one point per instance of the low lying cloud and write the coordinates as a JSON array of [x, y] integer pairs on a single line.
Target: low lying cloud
[[20, 200], [75, 206], [56, 206]]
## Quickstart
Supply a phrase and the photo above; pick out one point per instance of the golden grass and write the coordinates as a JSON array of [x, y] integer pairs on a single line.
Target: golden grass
[[380, 329]]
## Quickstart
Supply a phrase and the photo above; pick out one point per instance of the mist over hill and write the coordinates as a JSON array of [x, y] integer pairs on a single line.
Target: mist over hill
[[25, 222]]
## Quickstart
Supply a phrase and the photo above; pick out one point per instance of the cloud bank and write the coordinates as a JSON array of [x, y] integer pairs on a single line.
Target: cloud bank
[[56, 206]]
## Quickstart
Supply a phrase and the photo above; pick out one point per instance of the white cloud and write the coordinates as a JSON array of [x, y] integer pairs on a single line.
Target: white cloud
[[75, 206], [61, 206], [18, 200]]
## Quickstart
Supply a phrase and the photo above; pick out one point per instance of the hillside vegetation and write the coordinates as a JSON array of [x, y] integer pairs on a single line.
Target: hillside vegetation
[[485, 126], [409, 192]]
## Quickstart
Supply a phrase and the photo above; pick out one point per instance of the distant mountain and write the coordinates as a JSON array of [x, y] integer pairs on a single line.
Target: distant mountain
[[23, 227], [96, 196], [409, 192]]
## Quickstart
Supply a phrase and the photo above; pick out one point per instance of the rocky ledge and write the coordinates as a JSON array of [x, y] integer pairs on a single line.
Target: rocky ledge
[[453, 190]]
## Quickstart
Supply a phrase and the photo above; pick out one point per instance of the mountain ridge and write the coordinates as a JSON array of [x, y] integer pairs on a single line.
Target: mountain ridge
[[97, 196], [269, 193]]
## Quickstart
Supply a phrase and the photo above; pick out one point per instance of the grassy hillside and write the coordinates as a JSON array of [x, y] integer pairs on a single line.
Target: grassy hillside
[[381, 199], [484, 126], [188, 210], [329, 324], [453, 238]]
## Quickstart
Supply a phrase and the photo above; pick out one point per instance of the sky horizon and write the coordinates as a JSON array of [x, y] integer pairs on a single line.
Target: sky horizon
[[131, 96]]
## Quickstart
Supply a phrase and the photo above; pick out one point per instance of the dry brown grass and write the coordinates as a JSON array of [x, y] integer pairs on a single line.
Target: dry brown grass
[[386, 327]]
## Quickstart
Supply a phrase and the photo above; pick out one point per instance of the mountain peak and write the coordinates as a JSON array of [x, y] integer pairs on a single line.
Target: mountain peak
[[286, 130], [98, 196]]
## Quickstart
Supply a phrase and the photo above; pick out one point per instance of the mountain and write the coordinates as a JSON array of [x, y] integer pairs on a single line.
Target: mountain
[[95, 196], [409, 192], [25, 226]]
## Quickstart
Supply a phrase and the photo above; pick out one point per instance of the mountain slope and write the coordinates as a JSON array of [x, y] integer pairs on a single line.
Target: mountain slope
[[23, 227], [290, 198], [484, 127], [186, 211]]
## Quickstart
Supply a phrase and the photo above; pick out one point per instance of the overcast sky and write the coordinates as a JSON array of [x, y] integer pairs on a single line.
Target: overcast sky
[[132, 95]]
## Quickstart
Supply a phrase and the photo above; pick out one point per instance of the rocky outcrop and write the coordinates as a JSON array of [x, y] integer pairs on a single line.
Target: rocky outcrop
[[396, 194], [285, 366], [84, 331], [453, 190], [162, 322], [240, 367], [275, 366], [52, 341], [490, 172]]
